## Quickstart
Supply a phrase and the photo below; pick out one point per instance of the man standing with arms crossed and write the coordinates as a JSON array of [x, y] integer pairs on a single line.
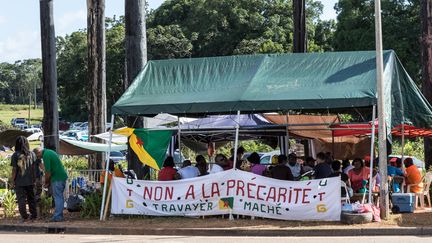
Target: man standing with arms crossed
[[56, 176]]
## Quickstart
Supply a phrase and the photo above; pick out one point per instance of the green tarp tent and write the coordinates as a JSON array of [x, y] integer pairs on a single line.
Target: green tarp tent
[[275, 82]]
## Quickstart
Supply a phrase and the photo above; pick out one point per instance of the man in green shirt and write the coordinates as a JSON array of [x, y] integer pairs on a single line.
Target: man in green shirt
[[56, 176]]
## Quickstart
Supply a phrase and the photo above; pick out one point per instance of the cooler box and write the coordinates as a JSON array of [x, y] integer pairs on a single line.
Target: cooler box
[[403, 202]]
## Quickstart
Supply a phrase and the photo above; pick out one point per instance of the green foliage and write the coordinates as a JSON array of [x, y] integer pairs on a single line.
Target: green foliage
[[75, 163], [168, 42], [19, 79], [226, 27], [9, 204], [401, 29], [413, 147], [91, 205], [72, 69], [250, 146], [5, 170], [45, 205]]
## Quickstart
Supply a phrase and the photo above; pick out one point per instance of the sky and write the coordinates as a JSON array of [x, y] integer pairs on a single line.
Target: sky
[[20, 28]]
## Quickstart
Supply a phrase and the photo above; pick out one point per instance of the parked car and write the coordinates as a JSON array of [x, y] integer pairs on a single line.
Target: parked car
[[117, 156], [267, 158], [38, 136], [19, 122], [75, 125], [70, 134], [33, 130], [82, 136], [83, 126]]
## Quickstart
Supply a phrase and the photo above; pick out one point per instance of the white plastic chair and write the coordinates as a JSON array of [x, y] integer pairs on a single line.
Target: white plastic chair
[[427, 179], [345, 199]]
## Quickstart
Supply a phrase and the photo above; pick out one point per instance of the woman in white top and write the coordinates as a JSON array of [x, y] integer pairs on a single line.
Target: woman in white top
[[220, 162]]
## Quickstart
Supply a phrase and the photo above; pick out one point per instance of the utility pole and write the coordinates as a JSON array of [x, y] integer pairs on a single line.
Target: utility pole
[[136, 58], [426, 47], [382, 134], [299, 39], [96, 55], [49, 76], [30, 100], [35, 104]]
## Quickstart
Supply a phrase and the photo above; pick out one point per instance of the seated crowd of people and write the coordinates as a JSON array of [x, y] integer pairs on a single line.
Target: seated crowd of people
[[355, 174]]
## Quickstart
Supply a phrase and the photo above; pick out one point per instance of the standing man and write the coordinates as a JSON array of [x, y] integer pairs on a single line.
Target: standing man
[[56, 176], [23, 162]]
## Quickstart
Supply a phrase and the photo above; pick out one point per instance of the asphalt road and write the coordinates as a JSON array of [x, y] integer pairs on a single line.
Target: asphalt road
[[57, 238]]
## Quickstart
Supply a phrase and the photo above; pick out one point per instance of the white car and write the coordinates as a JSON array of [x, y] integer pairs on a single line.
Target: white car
[[33, 130], [37, 136]]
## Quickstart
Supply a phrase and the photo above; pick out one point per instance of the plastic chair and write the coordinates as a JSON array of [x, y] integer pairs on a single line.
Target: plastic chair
[[426, 180], [347, 196]]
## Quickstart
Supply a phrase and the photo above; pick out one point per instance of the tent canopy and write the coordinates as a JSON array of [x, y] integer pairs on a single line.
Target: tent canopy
[[74, 147], [227, 121], [275, 82]]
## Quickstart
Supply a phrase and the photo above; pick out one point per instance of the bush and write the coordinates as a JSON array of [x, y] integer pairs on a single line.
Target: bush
[[91, 205], [5, 171], [45, 205], [413, 147], [10, 204], [75, 163]]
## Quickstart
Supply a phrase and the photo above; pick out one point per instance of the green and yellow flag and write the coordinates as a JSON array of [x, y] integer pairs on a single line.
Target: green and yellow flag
[[149, 146]]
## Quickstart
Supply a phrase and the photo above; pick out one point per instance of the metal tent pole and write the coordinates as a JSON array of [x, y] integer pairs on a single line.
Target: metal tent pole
[[382, 136], [287, 137], [179, 138], [106, 168], [237, 127], [372, 148], [403, 139]]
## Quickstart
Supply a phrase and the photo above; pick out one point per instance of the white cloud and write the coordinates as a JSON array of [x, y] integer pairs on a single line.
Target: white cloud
[[70, 22], [21, 45]]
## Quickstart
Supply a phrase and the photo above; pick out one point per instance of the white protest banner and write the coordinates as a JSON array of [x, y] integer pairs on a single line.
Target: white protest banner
[[237, 191]]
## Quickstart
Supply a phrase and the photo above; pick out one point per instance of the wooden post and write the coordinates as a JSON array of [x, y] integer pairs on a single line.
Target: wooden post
[[426, 57], [49, 76], [136, 58], [96, 75], [108, 199], [382, 133], [299, 17]]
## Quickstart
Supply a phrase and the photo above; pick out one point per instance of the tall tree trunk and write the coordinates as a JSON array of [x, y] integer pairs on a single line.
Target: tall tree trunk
[[426, 44], [96, 75], [49, 76], [136, 58], [299, 41], [299, 17]]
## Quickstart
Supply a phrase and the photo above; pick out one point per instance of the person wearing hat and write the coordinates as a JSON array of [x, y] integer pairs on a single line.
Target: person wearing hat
[[256, 167]]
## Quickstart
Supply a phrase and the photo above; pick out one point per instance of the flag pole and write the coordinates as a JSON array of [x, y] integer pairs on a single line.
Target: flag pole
[[106, 168], [382, 134]]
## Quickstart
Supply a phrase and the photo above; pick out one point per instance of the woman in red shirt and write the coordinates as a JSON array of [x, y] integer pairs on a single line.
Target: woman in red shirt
[[168, 172], [358, 174]]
